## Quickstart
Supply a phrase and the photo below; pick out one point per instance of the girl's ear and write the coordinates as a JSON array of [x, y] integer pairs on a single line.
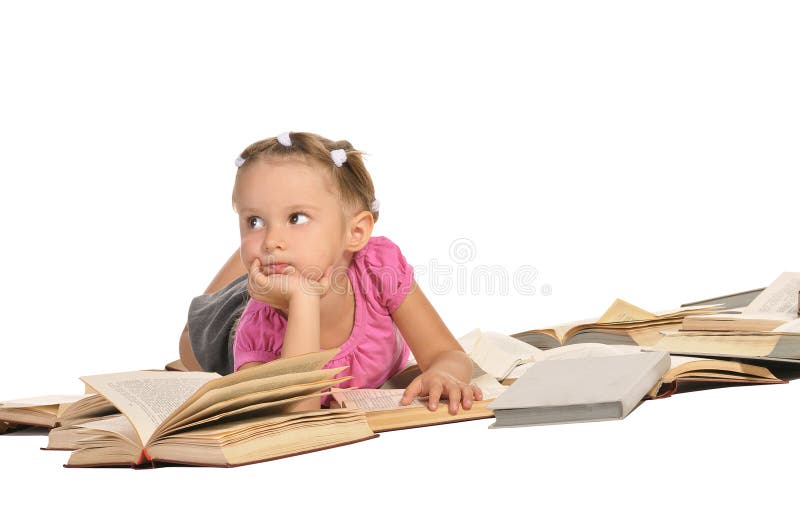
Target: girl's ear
[[359, 230]]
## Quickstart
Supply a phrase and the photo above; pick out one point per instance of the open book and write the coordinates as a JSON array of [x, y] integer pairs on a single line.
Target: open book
[[384, 412], [773, 307], [52, 410], [63, 436], [688, 373], [622, 324], [200, 418]]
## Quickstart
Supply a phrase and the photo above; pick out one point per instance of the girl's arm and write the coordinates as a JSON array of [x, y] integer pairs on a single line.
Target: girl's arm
[[232, 269], [302, 326], [302, 329], [446, 369]]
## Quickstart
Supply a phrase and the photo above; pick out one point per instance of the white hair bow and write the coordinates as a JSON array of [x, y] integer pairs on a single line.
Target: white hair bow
[[285, 140], [339, 157]]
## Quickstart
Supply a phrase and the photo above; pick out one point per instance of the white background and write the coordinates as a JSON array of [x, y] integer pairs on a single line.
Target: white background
[[639, 150]]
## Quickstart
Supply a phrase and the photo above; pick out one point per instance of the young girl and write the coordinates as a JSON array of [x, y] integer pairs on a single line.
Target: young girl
[[319, 280]]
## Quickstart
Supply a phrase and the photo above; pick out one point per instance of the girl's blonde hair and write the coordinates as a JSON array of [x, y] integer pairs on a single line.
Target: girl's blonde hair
[[352, 178]]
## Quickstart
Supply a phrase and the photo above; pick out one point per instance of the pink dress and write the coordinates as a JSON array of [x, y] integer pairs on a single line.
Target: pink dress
[[381, 279]]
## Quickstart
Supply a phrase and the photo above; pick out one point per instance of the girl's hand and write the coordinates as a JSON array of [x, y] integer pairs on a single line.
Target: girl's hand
[[279, 289], [437, 383]]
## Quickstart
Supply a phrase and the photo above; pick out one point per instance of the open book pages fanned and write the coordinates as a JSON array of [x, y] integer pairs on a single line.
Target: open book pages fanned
[[621, 324], [201, 418]]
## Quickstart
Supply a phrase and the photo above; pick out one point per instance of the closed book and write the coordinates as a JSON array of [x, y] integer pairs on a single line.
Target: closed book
[[580, 389]]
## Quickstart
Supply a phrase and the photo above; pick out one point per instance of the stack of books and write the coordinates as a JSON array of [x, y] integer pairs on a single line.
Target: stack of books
[[763, 328], [749, 337]]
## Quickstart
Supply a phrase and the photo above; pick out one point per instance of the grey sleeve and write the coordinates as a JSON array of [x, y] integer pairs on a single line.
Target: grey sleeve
[[211, 325]]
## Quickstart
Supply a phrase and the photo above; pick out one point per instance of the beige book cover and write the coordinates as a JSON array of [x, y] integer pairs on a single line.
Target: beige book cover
[[580, 389]]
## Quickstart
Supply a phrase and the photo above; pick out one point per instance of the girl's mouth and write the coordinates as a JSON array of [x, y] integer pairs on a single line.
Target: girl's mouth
[[275, 267]]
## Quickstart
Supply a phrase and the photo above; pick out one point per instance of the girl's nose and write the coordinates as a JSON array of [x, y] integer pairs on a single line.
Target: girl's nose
[[273, 240]]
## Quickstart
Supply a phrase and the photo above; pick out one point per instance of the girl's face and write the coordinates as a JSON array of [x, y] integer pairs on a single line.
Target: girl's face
[[290, 213]]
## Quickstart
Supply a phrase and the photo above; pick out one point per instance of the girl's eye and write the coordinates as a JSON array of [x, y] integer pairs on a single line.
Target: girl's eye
[[254, 222], [298, 218]]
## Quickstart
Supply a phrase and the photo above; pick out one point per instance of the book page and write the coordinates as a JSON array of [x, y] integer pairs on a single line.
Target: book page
[[587, 350], [498, 354], [590, 350], [682, 311], [520, 370], [749, 345], [561, 330], [621, 311], [789, 326], [148, 397], [239, 404], [489, 386], [42, 400], [679, 360], [217, 394], [779, 297], [281, 366], [732, 316], [369, 400], [117, 424]]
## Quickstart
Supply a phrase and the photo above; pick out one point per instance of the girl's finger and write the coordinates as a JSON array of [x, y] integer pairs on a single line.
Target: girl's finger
[[324, 282], [477, 393], [434, 393], [414, 389], [453, 396], [466, 396], [327, 275], [258, 279]]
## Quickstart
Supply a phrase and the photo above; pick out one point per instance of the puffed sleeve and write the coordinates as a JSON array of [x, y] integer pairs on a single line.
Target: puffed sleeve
[[391, 276], [259, 334]]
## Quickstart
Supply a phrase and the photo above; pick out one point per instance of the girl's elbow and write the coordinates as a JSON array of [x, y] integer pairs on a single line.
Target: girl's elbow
[[186, 352]]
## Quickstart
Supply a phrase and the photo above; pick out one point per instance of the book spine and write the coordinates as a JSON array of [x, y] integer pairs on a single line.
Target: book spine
[[144, 458]]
